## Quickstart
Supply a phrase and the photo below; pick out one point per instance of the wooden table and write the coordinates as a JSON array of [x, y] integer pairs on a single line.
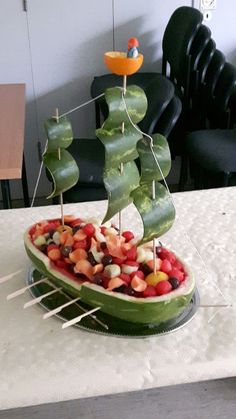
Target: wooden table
[[12, 121]]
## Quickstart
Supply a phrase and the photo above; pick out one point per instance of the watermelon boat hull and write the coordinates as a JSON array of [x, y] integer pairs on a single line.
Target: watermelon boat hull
[[152, 310]]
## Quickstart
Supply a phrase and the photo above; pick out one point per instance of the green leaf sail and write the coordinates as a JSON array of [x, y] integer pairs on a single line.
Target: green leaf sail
[[149, 169], [157, 214], [121, 147], [119, 186], [64, 172], [136, 103], [59, 134]]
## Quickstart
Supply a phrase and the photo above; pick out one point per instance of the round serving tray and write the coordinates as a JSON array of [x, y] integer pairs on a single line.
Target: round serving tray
[[103, 323]]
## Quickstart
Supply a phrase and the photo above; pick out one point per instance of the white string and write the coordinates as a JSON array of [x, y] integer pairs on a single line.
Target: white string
[[82, 105], [45, 148], [178, 218]]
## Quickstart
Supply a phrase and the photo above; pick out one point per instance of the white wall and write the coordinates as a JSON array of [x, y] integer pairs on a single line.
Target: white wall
[[65, 48]]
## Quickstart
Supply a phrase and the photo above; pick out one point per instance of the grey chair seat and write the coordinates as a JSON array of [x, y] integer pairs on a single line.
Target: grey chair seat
[[214, 150]]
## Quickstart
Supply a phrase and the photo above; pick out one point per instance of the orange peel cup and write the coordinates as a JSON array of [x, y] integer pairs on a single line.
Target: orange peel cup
[[120, 64]]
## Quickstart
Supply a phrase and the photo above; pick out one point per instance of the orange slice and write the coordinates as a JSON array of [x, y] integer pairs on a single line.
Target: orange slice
[[120, 64]]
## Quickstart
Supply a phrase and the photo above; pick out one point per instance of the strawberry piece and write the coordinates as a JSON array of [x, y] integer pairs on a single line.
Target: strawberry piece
[[89, 230], [54, 254], [140, 274], [166, 254], [163, 287], [49, 227], [150, 291], [81, 244], [131, 263], [61, 264], [178, 265], [76, 222], [166, 266], [128, 235], [103, 230], [131, 254], [51, 247], [32, 230], [175, 273], [125, 277], [115, 260]]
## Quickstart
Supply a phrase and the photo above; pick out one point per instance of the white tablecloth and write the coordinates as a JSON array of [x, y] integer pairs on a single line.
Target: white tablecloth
[[41, 363]]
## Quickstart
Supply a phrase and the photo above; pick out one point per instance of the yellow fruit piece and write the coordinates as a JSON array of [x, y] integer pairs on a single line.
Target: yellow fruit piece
[[153, 279]]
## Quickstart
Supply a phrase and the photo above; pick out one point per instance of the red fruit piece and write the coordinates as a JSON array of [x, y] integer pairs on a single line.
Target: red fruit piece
[[50, 226], [76, 222], [89, 230], [140, 274], [131, 254], [131, 263], [61, 264], [32, 230], [125, 278], [166, 254], [163, 287], [54, 254], [128, 235], [178, 265], [103, 230], [81, 244], [150, 291], [51, 247], [166, 266], [175, 273], [116, 261]]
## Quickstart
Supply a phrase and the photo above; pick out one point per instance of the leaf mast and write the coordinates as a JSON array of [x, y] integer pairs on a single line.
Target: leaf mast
[[58, 161]]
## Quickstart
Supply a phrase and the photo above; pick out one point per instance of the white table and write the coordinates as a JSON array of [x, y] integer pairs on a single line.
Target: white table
[[41, 363]]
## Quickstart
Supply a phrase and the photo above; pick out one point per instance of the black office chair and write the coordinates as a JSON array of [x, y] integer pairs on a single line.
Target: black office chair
[[212, 151]]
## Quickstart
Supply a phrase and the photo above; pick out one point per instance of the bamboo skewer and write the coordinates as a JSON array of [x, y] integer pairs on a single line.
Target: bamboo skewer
[[122, 165], [40, 298], [59, 158], [60, 308], [9, 276], [79, 318], [22, 290]]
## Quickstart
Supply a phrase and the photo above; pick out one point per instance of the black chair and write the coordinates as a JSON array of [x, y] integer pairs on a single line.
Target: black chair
[[90, 157], [212, 151]]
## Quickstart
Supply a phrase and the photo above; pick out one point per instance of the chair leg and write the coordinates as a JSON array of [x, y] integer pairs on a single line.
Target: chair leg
[[25, 184], [6, 194], [226, 177], [183, 173]]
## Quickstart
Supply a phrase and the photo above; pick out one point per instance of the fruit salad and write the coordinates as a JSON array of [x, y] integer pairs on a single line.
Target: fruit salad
[[87, 251]]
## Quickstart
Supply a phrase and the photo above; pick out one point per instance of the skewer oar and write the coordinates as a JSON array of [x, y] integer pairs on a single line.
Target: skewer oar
[[77, 319], [60, 308], [22, 290], [9, 276], [40, 298]]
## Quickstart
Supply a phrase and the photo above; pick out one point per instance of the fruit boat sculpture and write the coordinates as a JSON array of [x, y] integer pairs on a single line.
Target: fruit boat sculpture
[[137, 281]]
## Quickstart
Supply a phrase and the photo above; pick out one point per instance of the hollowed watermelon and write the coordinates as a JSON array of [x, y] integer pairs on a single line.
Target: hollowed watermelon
[[134, 309]]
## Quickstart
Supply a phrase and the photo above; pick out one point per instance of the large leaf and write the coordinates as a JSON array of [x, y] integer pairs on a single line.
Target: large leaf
[[157, 214], [59, 134], [119, 186], [64, 172], [136, 103], [119, 148], [149, 168]]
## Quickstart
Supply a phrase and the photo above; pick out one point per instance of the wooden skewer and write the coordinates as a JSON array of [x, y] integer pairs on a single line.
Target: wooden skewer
[[77, 319], [60, 308], [215, 305], [22, 290], [59, 158], [82, 308], [41, 297], [10, 276]]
